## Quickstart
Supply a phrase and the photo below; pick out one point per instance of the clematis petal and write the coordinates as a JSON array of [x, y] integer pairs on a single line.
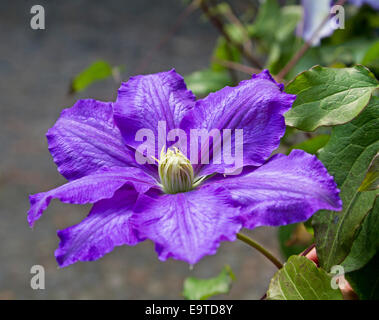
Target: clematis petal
[[85, 139], [145, 100], [187, 226], [314, 13], [372, 3], [90, 189], [107, 226], [287, 189], [256, 106]]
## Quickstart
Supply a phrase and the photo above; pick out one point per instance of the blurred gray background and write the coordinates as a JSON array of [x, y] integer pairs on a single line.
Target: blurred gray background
[[36, 67]]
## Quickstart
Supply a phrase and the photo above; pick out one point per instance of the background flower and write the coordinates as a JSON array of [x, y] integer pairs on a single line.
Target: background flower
[[315, 12]]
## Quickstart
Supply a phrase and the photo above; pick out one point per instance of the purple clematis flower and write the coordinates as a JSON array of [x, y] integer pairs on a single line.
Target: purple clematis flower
[[186, 209], [314, 13], [372, 3]]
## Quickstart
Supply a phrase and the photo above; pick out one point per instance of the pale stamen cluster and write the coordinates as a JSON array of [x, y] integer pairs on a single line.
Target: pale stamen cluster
[[176, 172]]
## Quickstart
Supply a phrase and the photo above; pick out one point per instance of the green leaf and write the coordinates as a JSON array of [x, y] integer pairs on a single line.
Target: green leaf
[[271, 17], [311, 145], [205, 81], [201, 289], [224, 51], [290, 16], [365, 281], [98, 70], [287, 135], [279, 45], [234, 32], [372, 54], [300, 279], [327, 96], [266, 20], [347, 156], [366, 243], [371, 58], [274, 55], [371, 180], [348, 53]]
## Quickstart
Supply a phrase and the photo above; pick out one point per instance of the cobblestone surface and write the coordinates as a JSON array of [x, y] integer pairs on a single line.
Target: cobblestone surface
[[35, 70]]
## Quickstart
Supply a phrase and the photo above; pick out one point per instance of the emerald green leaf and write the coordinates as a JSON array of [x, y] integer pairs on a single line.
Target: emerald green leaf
[[347, 156], [371, 181], [201, 289], [365, 281], [98, 70], [311, 145], [300, 279], [328, 97], [205, 81]]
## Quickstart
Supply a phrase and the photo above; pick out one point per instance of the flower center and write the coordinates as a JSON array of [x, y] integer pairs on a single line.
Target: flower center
[[175, 171]]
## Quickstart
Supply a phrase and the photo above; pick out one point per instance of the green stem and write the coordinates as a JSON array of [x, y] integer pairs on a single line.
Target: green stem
[[261, 249]]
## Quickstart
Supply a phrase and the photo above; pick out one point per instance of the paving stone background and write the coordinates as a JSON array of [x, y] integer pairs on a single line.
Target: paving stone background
[[35, 71]]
